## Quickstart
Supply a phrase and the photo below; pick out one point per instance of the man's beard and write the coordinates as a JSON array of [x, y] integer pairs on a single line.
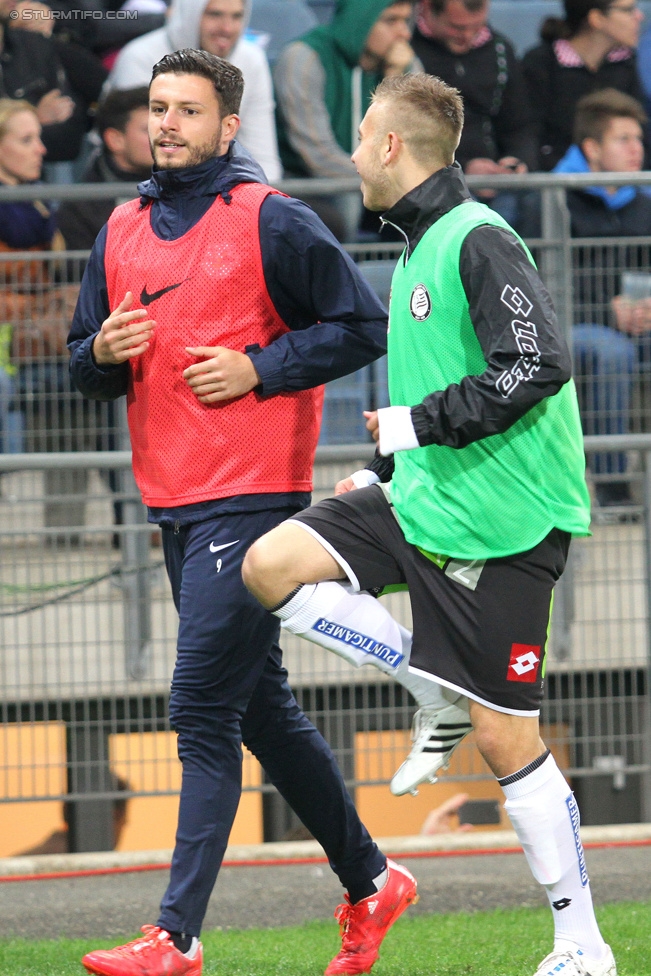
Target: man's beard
[[196, 155]]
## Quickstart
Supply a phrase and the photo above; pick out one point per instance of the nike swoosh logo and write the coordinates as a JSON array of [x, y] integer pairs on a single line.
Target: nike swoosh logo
[[147, 299], [214, 548]]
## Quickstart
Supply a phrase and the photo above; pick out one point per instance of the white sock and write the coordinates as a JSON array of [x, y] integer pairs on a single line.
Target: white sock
[[545, 817], [381, 879], [360, 629]]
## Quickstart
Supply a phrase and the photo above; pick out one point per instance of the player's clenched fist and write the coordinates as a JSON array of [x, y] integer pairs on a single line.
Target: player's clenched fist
[[123, 335]]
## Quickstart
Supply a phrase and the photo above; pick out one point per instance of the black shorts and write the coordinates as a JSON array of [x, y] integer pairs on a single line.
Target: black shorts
[[480, 627]]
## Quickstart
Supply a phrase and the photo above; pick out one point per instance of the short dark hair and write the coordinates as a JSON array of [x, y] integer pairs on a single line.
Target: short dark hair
[[430, 118], [227, 80], [595, 112], [472, 6], [114, 111]]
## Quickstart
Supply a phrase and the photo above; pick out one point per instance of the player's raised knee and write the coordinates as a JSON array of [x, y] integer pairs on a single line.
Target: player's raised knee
[[264, 567]]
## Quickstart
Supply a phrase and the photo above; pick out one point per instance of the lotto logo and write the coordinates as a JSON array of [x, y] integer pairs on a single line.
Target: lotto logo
[[561, 904], [516, 300], [523, 664]]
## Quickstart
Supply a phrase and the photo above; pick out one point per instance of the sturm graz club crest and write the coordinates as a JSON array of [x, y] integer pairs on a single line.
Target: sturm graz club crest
[[420, 304]]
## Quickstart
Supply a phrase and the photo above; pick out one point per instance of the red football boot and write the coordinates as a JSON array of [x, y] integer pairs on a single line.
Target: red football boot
[[364, 925], [154, 954]]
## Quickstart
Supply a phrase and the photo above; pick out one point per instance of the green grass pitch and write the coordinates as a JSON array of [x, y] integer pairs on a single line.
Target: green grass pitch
[[503, 943]]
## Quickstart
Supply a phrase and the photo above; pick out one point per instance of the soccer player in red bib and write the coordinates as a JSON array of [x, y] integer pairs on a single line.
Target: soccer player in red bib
[[219, 307]]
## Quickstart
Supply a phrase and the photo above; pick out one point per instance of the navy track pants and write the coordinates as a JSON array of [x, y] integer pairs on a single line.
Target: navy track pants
[[229, 687]]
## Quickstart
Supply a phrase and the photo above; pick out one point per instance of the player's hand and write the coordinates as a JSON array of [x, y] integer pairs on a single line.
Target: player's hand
[[346, 485], [362, 478], [54, 107], [373, 424], [123, 335], [223, 374]]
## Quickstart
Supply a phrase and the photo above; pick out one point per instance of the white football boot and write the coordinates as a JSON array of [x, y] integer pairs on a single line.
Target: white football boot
[[571, 962], [435, 733]]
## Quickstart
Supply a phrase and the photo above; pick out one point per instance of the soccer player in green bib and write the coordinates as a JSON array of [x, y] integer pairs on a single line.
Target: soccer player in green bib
[[473, 498]]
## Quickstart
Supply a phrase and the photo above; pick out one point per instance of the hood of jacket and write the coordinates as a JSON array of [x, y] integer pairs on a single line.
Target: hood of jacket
[[575, 162], [348, 29], [184, 19]]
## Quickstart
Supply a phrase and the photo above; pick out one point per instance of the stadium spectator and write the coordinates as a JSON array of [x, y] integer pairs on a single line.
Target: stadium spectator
[[592, 48], [124, 156], [84, 71], [612, 332], [216, 27], [455, 42], [323, 85], [100, 26], [32, 71], [32, 329], [487, 486], [256, 305], [35, 311]]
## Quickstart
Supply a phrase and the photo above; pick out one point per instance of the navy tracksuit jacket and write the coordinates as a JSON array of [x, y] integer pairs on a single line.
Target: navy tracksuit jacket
[[229, 685]]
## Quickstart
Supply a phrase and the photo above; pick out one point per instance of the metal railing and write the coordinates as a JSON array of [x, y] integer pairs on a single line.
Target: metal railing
[[88, 644]]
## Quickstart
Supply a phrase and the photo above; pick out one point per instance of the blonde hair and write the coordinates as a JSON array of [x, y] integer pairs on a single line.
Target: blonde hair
[[10, 107], [430, 117]]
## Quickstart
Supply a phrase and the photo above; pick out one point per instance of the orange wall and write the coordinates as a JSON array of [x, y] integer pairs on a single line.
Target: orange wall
[[32, 763]]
